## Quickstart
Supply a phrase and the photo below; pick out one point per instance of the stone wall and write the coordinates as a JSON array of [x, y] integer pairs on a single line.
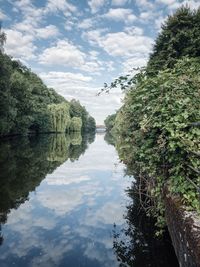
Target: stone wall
[[184, 229]]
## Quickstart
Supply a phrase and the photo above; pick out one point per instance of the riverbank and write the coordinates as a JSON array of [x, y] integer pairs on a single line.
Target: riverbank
[[184, 228]]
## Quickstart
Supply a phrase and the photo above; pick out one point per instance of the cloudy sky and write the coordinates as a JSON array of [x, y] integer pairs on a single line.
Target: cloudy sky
[[77, 45]]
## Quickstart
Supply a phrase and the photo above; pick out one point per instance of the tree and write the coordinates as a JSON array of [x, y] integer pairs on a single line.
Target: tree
[[21, 91], [91, 124], [26, 104], [110, 122], [76, 124], [77, 110], [7, 101], [2, 38], [59, 118], [179, 37]]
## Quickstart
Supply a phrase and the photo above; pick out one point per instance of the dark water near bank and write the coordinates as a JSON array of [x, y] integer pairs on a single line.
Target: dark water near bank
[[64, 202]]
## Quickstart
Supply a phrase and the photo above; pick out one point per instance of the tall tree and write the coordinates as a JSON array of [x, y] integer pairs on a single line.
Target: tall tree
[[179, 37], [2, 38]]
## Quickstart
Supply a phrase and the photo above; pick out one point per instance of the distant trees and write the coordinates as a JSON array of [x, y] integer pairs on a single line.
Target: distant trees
[[77, 110], [110, 121], [91, 124], [26, 104]]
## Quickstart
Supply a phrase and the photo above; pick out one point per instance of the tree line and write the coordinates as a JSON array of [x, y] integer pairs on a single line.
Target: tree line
[[28, 105]]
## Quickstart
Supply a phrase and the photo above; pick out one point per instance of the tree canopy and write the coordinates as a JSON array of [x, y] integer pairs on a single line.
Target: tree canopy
[[27, 105], [179, 37]]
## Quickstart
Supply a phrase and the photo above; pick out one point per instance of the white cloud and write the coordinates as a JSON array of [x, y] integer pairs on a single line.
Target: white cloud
[[63, 53], [31, 14], [46, 32], [67, 54], [86, 23], [69, 25], [24, 26], [3, 16], [159, 21], [95, 5], [19, 45], [121, 43], [119, 2], [147, 15], [23, 3], [145, 4], [59, 5], [93, 54], [133, 30], [174, 4], [43, 33], [166, 2], [192, 3], [66, 200], [120, 14], [109, 213], [92, 67], [93, 36], [34, 15], [134, 62], [110, 66], [61, 179], [54, 78]]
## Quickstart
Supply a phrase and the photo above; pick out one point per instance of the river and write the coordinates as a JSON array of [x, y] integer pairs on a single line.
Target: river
[[66, 201]]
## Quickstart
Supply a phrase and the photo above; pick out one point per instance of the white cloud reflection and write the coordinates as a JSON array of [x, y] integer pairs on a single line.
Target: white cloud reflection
[[72, 211]]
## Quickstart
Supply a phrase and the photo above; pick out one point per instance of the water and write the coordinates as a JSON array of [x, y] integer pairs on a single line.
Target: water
[[64, 202]]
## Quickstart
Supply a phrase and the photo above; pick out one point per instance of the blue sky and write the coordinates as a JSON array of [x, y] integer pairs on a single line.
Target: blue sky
[[75, 46]]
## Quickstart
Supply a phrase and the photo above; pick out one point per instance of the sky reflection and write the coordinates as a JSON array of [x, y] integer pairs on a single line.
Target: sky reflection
[[68, 220]]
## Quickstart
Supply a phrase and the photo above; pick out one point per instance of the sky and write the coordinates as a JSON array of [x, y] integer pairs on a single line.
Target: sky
[[75, 46]]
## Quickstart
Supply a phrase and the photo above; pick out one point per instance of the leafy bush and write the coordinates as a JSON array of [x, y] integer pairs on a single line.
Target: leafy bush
[[157, 133]]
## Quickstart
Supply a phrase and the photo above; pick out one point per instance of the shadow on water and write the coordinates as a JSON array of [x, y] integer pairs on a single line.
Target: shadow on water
[[135, 244], [25, 161]]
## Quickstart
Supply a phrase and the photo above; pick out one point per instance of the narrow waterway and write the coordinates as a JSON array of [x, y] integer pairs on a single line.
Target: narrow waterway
[[64, 201]]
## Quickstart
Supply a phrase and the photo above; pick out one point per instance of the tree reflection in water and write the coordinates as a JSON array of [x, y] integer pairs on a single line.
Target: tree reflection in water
[[25, 162], [136, 245]]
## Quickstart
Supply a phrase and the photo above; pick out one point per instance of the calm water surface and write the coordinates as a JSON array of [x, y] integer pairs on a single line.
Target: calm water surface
[[64, 202]]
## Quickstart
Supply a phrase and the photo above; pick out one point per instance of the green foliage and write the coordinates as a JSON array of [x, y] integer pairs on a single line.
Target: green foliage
[[110, 122], [21, 92], [7, 101], [180, 36], [27, 105], [156, 130], [77, 110], [60, 120], [157, 136], [76, 124], [91, 124]]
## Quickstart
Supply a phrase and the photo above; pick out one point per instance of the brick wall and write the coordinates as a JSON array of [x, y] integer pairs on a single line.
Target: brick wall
[[184, 229]]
